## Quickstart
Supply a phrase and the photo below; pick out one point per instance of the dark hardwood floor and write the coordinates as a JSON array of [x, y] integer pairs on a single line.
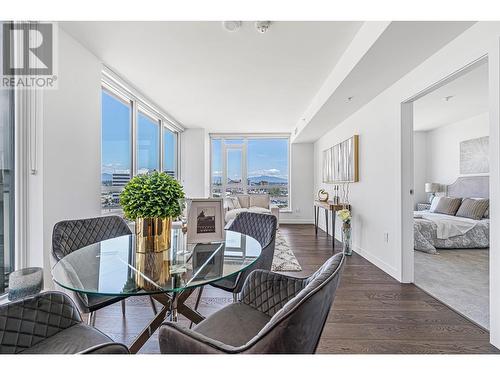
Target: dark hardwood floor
[[372, 312]]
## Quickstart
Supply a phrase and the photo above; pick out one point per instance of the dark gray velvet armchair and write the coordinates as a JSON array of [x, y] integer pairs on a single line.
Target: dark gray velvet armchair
[[70, 235], [262, 227], [277, 314], [49, 323]]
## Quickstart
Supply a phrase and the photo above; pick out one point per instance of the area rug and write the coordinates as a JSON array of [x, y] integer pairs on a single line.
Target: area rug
[[284, 258]]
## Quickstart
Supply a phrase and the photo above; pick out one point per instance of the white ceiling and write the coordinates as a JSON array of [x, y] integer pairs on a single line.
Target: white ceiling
[[206, 77], [402, 47], [470, 98]]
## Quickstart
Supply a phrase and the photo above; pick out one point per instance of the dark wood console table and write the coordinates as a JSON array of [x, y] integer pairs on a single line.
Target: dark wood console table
[[329, 207]]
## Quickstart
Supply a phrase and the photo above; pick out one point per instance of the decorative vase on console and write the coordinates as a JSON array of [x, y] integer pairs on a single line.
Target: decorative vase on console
[[345, 216]]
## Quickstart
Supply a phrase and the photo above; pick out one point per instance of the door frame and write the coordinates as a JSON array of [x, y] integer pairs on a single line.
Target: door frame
[[407, 167]]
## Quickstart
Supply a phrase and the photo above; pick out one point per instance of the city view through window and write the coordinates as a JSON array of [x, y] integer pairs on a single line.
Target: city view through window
[[117, 147], [251, 166]]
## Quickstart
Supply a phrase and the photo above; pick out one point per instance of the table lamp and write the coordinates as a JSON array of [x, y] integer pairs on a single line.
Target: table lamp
[[432, 188]]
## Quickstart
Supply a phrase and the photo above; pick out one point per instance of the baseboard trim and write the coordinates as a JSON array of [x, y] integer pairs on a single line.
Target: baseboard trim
[[391, 271], [296, 221]]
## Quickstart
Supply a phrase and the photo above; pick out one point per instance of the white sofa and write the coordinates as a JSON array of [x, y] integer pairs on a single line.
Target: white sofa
[[259, 203]]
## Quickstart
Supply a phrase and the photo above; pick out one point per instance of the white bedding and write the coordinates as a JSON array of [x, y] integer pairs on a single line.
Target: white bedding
[[447, 225]]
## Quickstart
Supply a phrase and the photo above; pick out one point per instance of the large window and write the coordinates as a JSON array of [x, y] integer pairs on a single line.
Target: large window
[[135, 139], [251, 165], [170, 152], [148, 144], [116, 138]]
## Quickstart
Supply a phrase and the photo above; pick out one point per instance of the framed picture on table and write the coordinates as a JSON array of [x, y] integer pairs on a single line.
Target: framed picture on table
[[205, 221]]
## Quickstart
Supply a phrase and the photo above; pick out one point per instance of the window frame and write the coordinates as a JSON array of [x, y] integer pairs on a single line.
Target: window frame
[[125, 92], [144, 111], [245, 137]]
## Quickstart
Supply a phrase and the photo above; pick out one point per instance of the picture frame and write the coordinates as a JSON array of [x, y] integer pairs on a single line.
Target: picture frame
[[208, 261], [341, 162], [205, 222]]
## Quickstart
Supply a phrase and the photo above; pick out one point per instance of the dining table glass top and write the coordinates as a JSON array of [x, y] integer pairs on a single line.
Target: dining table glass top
[[114, 268]]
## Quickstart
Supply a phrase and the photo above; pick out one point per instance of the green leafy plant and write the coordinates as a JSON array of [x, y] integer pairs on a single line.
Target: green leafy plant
[[151, 195]]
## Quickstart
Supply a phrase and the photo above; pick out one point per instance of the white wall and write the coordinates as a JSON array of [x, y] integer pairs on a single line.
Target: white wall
[[437, 151], [420, 166], [301, 185], [494, 109], [377, 198], [195, 166], [71, 141], [443, 157]]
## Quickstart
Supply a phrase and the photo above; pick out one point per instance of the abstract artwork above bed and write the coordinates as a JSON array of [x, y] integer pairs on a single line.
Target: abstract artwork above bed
[[474, 156]]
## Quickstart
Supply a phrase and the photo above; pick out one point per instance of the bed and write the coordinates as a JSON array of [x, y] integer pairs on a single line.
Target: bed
[[434, 231]]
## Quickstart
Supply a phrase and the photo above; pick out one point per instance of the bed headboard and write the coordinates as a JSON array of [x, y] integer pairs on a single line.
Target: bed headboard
[[470, 187]]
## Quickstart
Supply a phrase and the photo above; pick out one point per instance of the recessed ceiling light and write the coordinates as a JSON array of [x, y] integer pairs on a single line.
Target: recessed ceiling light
[[262, 26], [448, 98], [231, 26]]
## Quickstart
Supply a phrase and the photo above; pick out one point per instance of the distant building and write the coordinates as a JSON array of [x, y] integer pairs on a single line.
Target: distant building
[[120, 179]]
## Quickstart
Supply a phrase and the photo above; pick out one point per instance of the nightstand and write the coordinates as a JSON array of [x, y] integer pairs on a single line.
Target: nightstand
[[423, 206]]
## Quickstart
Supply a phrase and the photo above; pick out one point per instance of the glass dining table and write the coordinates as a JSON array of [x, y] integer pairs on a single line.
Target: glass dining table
[[114, 268]]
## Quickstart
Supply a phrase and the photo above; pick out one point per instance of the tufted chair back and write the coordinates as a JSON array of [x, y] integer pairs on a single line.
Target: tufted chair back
[[298, 307], [70, 235], [30, 321], [262, 227]]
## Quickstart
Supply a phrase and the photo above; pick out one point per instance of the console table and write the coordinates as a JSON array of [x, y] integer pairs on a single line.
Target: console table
[[329, 207]]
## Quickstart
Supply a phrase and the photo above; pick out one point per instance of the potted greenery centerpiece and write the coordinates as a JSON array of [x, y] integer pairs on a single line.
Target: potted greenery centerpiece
[[152, 200]]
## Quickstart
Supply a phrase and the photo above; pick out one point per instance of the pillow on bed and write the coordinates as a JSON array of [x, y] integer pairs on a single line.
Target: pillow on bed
[[473, 208], [434, 203], [448, 206]]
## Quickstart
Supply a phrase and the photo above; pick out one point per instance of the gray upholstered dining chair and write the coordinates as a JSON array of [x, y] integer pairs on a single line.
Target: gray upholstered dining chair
[[70, 235], [277, 314], [262, 227], [50, 323]]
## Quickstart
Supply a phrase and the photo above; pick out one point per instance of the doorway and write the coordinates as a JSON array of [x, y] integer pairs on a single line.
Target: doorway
[[449, 133]]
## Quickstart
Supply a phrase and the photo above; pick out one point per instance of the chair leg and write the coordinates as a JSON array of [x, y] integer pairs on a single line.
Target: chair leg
[[197, 303], [235, 297], [123, 308], [198, 299], [153, 306], [91, 319]]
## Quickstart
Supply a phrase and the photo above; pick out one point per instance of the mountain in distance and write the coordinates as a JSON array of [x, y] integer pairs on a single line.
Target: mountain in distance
[[256, 179], [270, 179], [106, 177]]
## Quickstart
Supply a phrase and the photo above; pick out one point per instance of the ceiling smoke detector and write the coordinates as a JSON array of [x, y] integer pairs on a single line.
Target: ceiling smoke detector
[[448, 98], [262, 26], [231, 26]]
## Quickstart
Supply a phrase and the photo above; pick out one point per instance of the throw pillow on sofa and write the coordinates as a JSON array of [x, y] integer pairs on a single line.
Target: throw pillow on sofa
[[259, 200]]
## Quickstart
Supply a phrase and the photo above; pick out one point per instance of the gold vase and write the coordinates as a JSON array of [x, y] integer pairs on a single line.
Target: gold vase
[[152, 235], [153, 269]]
